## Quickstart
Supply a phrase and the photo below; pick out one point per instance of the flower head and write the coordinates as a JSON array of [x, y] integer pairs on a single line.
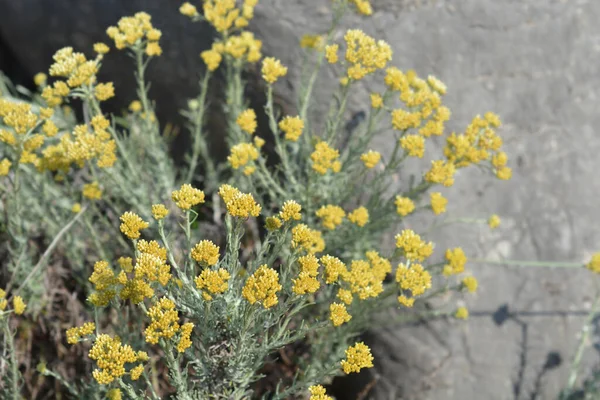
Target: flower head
[[290, 210], [461, 313], [594, 263], [247, 121], [325, 158], [359, 217], [307, 239], [438, 203], [494, 221], [132, 224], [404, 205], [159, 211], [318, 393], [262, 287], [470, 283], [413, 246], [19, 305], [456, 261], [357, 357], [272, 70], [206, 253], [212, 282], [187, 197], [111, 357], [239, 204], [331, 216], [338, 314], [292, 128], [370, 158]]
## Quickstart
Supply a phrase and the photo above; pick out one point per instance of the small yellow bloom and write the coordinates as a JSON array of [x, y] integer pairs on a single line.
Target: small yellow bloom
[[153, 49], [92, 191], [436, 84], [307, 239], [414, 278], [185, 341], [135, 106], [272, 70], [359, 216], [325, 158], [40, 78], [132, 224], [404, 205], [114, 394], [247, 121], [290, 210], [239, 204], [438, 203], [461, 313], [338, 314], [456, 262], [311, 41], [376, 100], [19, 305], [494, 221], [413, 246], [188, 10], [318, 393], [331, 53], [414, 145], [242, 154], [370, 158], [331, 216], [441, 172], [187, 197], [104, 91], [76, 208], [262, 287], [334, 268], [206, 253], [272, 223], [357, 357], [594, 264], [363, 7], [470, 283], [212, 282], [406, 301], [504, 173], [212, 59], [292, 127], [101, 48], [5, 167], [159, 211]]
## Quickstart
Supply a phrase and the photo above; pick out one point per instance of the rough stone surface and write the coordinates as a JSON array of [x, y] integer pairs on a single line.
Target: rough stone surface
[[535, 63]]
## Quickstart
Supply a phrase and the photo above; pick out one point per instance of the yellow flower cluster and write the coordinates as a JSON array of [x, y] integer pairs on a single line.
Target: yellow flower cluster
[[3, 301], [92, 191], [103, 278], [331, 216], [212, 282], [334, 268], [338, 314], [5, 167], [19, 305], [247, 121], [413, 278], [438, 203], [75, 333], [111, 356], [318, 393], [362, 6], [414, 145], [223, 14], [370, 158], [494, 221], [114, 394], [164, 321], [331, 53], [365, 278], [159, 211], [136, 31], [413, 246], [404, 205], [357, 357], [273, 223], [262, 287], [187, 197], [241, 47], [290, 210], [272, 70], [456, 261], [311, 41], [441, 172], [206, 253], [359, 216], [470, 283], [309, 240], [461, 313], [188, 10], [325, 158], [594, 264], [71, 65], [479, 142], [376, 100], [241, 205], [132, 224], [364, 54], [292, 128], [241, 155], [307, 281]]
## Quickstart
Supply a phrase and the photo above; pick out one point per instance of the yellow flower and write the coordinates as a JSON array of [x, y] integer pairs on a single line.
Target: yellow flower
[[376, 100], [363, 7], [307, 239], [211, 58], [114, 394], [334, 268], [290, 210], [331, 53], [504, 173], [19, 305], [325, 158], [461, 313], [104, 91], [357, 357], [404, 205], [259, 142], [163, 321], [75, 333], [311, 41], [494, 221], [470, 283], [414, 145], [456, 261], [188, 10], [101, 48], [359, 216], [262, 287], [135, 106], [5, 167], [247, 121], [364, 280], [413, 246], [212, 282], [159, 211], [39, 79], [136, 372], [403, 120], [338, 314], [185, 340], [239, 204], [153, 49], [110, 356], [187, 197], [132, 224], [307, 278], [318, 393], [92, 191], [370, 158], [436, 84], [331, 216], [206, 253], [364, 54], [272, 223], [345, 296], [594, 264], [76, 208], [438, 203], [272, 70], [406, 301], [242, 154], [492, 119], [413, 278], [441, 172], [292, 127]]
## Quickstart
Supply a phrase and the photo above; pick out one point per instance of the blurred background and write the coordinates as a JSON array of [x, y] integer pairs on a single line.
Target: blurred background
[[533, 62]]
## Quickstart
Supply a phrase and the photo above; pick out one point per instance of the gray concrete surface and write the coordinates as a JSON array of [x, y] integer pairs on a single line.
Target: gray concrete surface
[[535, 63]]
